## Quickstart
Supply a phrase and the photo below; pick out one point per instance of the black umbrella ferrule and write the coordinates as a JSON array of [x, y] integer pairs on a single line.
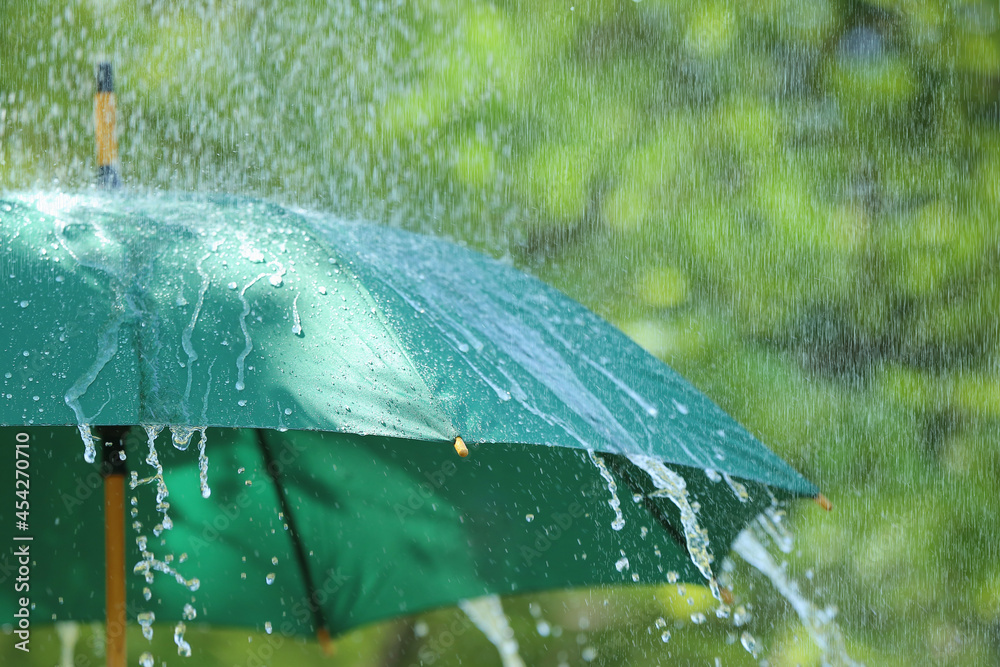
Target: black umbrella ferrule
[[112, 462], [105, 78]]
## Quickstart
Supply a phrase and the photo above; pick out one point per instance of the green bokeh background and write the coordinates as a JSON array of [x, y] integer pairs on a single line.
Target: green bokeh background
[[794, 204]]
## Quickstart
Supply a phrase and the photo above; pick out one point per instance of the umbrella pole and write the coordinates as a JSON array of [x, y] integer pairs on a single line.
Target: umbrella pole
[[113, 471], [104, 125]]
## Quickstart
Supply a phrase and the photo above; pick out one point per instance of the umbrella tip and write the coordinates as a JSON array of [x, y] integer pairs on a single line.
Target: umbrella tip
[[823, 502], [325, 643], [460, 447]]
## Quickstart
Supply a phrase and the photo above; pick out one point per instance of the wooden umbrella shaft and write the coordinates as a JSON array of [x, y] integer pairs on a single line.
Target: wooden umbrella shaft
[[113, 470], [114, 580]]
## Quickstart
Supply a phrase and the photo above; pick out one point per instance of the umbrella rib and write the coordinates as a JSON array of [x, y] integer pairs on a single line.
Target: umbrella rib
[[273, 472]]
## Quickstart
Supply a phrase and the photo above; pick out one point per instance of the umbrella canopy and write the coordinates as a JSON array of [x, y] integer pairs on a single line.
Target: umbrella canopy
[[326, 369]]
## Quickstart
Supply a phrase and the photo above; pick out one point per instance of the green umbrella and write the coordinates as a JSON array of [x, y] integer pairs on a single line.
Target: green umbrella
[[329, 371]]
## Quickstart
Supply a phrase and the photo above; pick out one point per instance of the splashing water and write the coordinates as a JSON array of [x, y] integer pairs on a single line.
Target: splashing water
[[672, 486], [819, 623], [738, 489], [153, 430], [183, 647], [622, 563], [146, 619], [487, 614], [772, 521], [89, 450], [203, 464], [150, 564], [614, 502], [146, 659]]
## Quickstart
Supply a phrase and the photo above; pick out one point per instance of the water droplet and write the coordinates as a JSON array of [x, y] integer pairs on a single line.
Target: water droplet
[[274, 560], [146, 659], [529, 517], [183, 647], [665, 636], [698, 618], [232, 285], [24, 304], [267, 627], [146, 619], [622, 563], [269, 578], [189, 613], [146, 593]]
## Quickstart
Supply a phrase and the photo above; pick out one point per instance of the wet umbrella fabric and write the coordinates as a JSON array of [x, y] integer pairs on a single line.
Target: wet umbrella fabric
[[335, 364]]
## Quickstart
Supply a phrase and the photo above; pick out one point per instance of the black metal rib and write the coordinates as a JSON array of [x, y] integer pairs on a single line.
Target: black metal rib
[[293, 532]]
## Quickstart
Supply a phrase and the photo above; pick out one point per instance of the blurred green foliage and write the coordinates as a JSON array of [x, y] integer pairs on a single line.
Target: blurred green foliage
[[793, 202]]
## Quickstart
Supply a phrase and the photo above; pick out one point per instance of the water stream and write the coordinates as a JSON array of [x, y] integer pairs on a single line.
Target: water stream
[[488, 615]]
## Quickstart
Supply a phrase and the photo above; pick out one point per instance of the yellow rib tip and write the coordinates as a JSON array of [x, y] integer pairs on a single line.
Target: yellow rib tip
[[460, 447], [325, 643], [823, 502]]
